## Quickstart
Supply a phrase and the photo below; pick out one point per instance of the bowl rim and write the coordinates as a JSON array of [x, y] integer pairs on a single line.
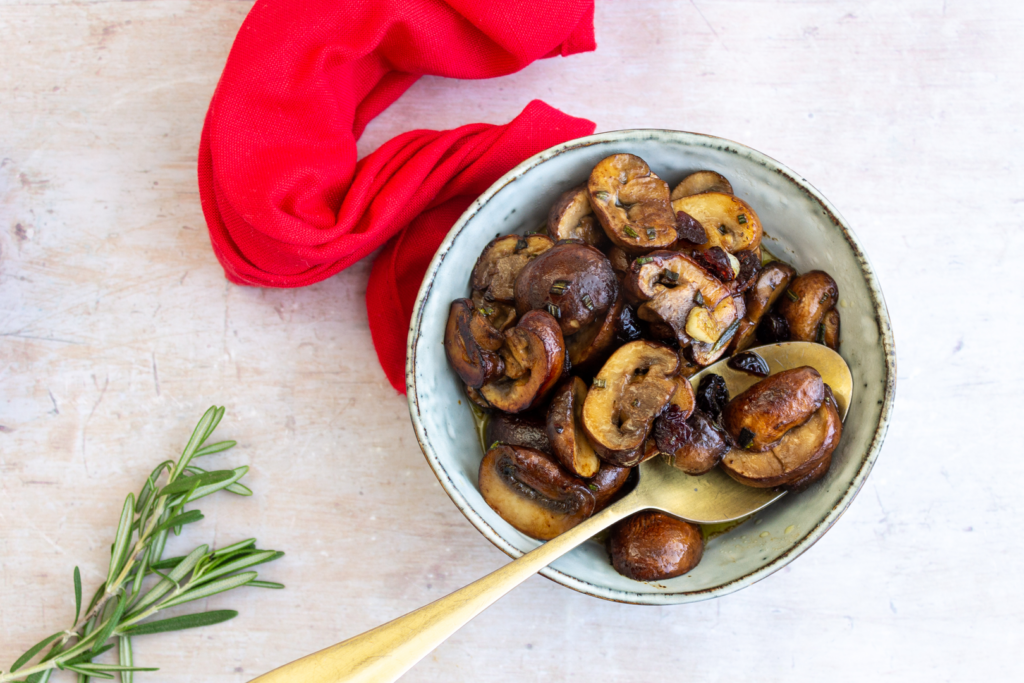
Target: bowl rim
[[881, 318]]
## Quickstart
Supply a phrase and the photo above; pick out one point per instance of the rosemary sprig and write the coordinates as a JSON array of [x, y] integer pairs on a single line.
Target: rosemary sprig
[[140, 582]]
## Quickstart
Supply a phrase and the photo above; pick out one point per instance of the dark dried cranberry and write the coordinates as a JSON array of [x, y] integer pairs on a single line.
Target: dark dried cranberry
[[712, 395], [750, 268], [690, 229], [749, 362], [716, 262], [629, 327], [671, 431], [773, 329]]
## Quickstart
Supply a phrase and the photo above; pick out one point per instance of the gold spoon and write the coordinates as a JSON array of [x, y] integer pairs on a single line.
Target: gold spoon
[[386, 652]]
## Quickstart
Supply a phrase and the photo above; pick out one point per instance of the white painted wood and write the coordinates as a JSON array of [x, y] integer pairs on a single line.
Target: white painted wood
[[119, 329]]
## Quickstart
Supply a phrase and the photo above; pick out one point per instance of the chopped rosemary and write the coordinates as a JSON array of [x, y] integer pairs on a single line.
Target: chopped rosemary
[[486, 312], [793, 296], [588, 302], [671, 275], [599, 384], [559, 286], [521, 244], [823, 299], [642, 260], [651, 233], [554, 310], [745, 438], [636, 403], [593, 487], [821, 333], [721, 229], [602, 195], [741, 219], [494, 445], [726, 336], [699, 298], [631, 232]]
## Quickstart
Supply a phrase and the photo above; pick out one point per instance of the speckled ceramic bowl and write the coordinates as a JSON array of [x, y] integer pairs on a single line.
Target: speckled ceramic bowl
[[801, 227]]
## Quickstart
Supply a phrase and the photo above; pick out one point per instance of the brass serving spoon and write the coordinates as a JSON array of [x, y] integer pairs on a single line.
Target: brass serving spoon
[[386, 652]]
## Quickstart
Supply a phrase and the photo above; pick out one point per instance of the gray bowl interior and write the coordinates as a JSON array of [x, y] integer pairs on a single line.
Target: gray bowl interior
[[800, 227]]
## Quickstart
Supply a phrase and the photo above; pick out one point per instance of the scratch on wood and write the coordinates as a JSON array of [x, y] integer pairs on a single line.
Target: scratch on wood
[[56, 410], [92, 412], [156, 375]]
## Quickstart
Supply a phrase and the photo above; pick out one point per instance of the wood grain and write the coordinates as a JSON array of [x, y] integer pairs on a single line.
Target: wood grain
[[117, 330]]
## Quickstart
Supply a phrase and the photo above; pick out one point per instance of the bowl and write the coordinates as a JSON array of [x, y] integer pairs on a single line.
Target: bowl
[[801, 227]]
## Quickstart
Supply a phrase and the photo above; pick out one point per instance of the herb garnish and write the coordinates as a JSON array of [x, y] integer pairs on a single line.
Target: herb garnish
[[793, 296], [124, 600], [554, 310], [599, 384], [587, 301], [559, 286], [651, 233], [631, 232], [745, 438], [699, 298], [741, 219]]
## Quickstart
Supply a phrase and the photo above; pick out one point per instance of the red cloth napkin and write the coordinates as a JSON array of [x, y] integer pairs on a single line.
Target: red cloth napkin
[[286, 202]]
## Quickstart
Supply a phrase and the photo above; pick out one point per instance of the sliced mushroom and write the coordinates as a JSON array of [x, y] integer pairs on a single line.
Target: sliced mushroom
[[528, 430], [685, 297], [532, 493], [632, 204], [694, 444], [771, 282], [728, 221], [471, 344], [571, 218], [565, 429], [759, 417], [500, 316], [607, 484], [591, 346], [573, 281], [477, 398], [684, 399], [801, 457], [632, 388], [495, 272], [829, 335], [534, 356], [652, 546], [701, 181], [806, 302]]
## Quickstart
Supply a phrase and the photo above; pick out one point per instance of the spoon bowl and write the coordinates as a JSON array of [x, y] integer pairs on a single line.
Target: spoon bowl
[[386, 652]]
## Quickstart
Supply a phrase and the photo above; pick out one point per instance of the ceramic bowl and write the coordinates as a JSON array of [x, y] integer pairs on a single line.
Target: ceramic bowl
[[801, 227]]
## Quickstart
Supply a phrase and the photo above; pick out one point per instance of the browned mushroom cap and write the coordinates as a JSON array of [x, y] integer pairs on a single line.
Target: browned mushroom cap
[[477, 398], [805, 304], [632, 388], [471, 345], [500, 262], [761, 415], [620, 262], [701, 181], [534, 356], [829, 335], [571, 218], [565, 429], [651, 546], [607, 484], [523, 429], [591, 346], [693, 444], [632, 204], [728, 221], [573, 281], [802, 457], [770, 285], [532, 493]]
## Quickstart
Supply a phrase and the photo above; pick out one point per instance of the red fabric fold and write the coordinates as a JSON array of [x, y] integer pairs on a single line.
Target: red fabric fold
[[285, 200]]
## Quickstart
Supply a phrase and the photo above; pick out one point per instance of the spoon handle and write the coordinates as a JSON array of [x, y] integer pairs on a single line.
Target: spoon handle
[[385, 653]]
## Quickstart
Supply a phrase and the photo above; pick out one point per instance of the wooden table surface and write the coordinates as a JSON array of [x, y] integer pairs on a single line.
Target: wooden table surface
[[117, 329]]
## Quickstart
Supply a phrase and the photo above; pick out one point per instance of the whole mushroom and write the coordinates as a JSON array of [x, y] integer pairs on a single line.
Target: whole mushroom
[[652, 546]]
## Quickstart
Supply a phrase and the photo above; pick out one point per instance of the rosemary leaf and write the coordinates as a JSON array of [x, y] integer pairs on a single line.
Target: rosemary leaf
[[189, 517], [206, 489], [114, 667], [121, 539], [78, 594], [242, 563], [207, 589], [111, 623], [125, 657], [87, 672], [239, 489], [215, 448], [241, 545], [265, 584], [182, 622], [186, 484], [34, 650]]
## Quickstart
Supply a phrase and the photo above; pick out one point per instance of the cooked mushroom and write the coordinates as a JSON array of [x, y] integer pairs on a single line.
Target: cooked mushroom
[[495, 272], [771, 282], [632, 388], [750, 269], [477, 398], [607, 484], [471, 344], [534, 356], [571, 218], [800, 458], [652, 546], [500, 316], [829, 329], [808, 299], [684, 399], [685, 297], [701, 181], [532, 493], [528, 430], [620, 262], [591, 346], [565, 429], [573, 281], [728, 221], [761, 415], [694, 444], [632, 204]]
